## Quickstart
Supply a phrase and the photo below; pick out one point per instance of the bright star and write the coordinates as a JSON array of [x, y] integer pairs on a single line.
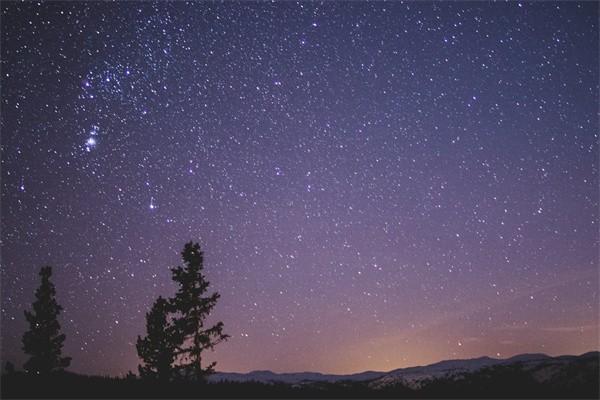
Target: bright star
[[90, 144]]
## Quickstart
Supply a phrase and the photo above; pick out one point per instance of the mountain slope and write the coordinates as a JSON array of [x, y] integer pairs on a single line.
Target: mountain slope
[[541, 367], [291, 378]]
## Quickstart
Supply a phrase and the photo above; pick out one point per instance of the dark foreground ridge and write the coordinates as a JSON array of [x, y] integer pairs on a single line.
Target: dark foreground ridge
[[524, 376]]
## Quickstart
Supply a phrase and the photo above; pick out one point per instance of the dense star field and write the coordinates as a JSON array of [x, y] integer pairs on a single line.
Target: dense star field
[[375, 185]]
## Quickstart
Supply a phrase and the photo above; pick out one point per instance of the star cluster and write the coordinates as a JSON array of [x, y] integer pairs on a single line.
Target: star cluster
[[375, 185]]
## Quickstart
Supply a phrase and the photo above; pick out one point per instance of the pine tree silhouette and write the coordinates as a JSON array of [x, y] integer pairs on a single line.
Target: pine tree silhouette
[[44, 342], [157, 349], [9, 368], [191, 309]]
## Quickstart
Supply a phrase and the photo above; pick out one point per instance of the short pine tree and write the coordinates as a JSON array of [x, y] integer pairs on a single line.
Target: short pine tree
[[191, 309], [44, 342], [9, 368], [157, 349]]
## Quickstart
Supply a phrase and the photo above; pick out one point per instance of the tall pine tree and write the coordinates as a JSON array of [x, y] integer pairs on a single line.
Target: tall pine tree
[[157, 349], [44, 342], [191, 306]]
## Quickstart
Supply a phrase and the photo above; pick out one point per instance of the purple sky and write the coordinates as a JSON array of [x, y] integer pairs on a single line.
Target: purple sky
[[375, 185]]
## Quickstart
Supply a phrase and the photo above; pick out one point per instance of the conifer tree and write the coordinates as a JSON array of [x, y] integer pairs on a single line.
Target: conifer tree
[[157, 349], [191, 306], [44, 342]]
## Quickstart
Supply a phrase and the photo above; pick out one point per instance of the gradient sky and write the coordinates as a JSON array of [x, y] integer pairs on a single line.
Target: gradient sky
[[375, 185]]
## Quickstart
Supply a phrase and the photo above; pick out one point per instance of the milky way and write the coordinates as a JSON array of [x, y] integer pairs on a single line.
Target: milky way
[[375, 185]]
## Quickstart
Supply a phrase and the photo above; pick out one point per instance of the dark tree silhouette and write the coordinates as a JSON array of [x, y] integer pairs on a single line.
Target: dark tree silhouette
[[157, 349], [191, 308], [44, 342], [9, 368]]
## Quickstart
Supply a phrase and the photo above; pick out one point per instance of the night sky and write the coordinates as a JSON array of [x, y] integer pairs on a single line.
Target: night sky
[[375, 185]]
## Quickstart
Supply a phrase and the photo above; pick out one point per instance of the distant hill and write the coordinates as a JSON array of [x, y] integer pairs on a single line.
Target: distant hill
[[542, 366], [291, 378]]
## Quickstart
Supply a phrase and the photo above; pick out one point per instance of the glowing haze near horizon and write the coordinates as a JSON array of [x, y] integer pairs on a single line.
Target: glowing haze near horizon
[[375, 185]]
